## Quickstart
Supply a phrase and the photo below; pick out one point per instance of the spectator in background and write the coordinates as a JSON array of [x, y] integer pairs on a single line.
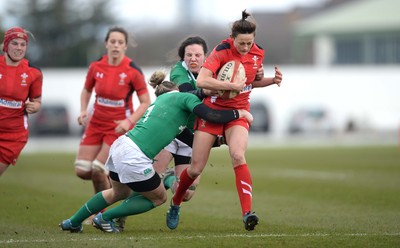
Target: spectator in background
[[20, 95], [114, 77]]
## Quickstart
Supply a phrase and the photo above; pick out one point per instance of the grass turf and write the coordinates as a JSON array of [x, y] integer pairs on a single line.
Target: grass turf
[[305, 197]]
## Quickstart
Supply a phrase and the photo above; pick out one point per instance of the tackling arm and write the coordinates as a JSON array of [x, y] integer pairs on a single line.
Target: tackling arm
[[217, 116]]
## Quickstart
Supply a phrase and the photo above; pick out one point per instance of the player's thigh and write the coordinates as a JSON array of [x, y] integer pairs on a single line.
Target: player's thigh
[[120, 190], [162, 160], [88, 152], [102, 155], [158, 195], [202, 145]]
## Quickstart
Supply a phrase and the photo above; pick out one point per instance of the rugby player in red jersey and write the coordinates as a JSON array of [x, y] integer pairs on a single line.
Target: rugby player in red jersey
[[239, 46], [20, 95], [114, 78]]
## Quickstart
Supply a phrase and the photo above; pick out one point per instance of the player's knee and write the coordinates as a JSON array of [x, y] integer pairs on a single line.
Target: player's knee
[[237, 158], [194, 172], [83, 169], [162, 198], [98, 166]]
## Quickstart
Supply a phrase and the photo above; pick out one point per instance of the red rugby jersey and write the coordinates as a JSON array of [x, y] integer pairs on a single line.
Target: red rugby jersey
[[17, 84], [114, 86], [225, 52]]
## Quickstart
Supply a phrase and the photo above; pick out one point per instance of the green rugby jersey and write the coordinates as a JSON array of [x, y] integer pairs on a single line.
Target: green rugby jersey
[[181, 74], [163, 121]]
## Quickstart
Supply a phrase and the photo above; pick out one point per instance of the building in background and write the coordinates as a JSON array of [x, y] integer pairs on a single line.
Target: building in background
[[363, 32]]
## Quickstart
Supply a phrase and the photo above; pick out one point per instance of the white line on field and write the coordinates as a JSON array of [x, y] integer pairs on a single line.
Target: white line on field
[[271, 235]]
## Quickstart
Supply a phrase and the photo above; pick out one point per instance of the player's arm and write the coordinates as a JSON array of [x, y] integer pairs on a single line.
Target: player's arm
[[85, 98], [200, 93], [267, 81], [187, 137], [32, 106], [221, 116], [187, 87], [205, 80]]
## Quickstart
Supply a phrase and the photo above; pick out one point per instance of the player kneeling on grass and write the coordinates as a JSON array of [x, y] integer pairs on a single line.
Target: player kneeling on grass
[[130, 161]]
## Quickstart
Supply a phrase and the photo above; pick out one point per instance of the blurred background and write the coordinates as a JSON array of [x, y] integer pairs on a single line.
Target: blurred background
[[340, 60]]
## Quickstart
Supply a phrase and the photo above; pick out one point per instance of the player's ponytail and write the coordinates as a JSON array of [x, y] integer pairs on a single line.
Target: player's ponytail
[[160, 86], [246, 25]]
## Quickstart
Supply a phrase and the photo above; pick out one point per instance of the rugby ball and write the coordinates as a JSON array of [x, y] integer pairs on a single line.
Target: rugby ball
[[228, 72]]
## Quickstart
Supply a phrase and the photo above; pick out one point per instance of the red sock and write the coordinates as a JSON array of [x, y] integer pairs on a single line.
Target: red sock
[[184, 183], [244, 187]]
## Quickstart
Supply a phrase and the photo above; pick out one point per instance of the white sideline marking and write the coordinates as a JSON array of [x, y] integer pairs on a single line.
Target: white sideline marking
[[272, 235]]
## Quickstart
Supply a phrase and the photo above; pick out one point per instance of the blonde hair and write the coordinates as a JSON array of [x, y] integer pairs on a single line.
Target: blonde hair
[[158, 83]]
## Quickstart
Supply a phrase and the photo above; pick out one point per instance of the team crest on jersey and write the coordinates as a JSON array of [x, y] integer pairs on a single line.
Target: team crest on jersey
[[255, 58], [1, 76], [122, 77], [24, 76]]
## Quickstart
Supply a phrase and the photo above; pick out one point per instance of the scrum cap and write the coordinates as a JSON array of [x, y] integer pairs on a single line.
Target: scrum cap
[[14, 33]]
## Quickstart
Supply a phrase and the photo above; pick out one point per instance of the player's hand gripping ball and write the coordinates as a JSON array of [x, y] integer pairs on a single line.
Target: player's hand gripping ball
[[228, 72]]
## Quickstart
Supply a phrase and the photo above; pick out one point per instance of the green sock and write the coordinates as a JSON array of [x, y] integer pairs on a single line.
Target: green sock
[[94, 205], [134, 193], [135, 204], [169, 181]]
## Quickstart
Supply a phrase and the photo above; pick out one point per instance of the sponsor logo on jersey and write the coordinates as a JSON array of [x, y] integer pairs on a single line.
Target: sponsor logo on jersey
[[247, 88], [10, 104], [110, 103]]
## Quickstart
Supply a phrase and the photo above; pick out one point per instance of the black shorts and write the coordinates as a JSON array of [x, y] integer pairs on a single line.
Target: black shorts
[[179, 159], [142, 186]]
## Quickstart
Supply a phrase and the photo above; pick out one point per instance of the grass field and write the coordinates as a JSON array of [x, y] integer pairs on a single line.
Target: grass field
[[305, 197]]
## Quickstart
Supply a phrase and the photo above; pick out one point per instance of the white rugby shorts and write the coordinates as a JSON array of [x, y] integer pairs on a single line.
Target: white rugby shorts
[[179, 148], [129, 162]]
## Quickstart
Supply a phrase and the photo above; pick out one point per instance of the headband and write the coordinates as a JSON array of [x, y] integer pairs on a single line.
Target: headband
[[14, 33]]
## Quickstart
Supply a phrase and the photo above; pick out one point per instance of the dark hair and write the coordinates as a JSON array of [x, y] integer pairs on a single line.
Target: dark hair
[[190, 41], [243, 26], [117, 29], [161, 86]]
